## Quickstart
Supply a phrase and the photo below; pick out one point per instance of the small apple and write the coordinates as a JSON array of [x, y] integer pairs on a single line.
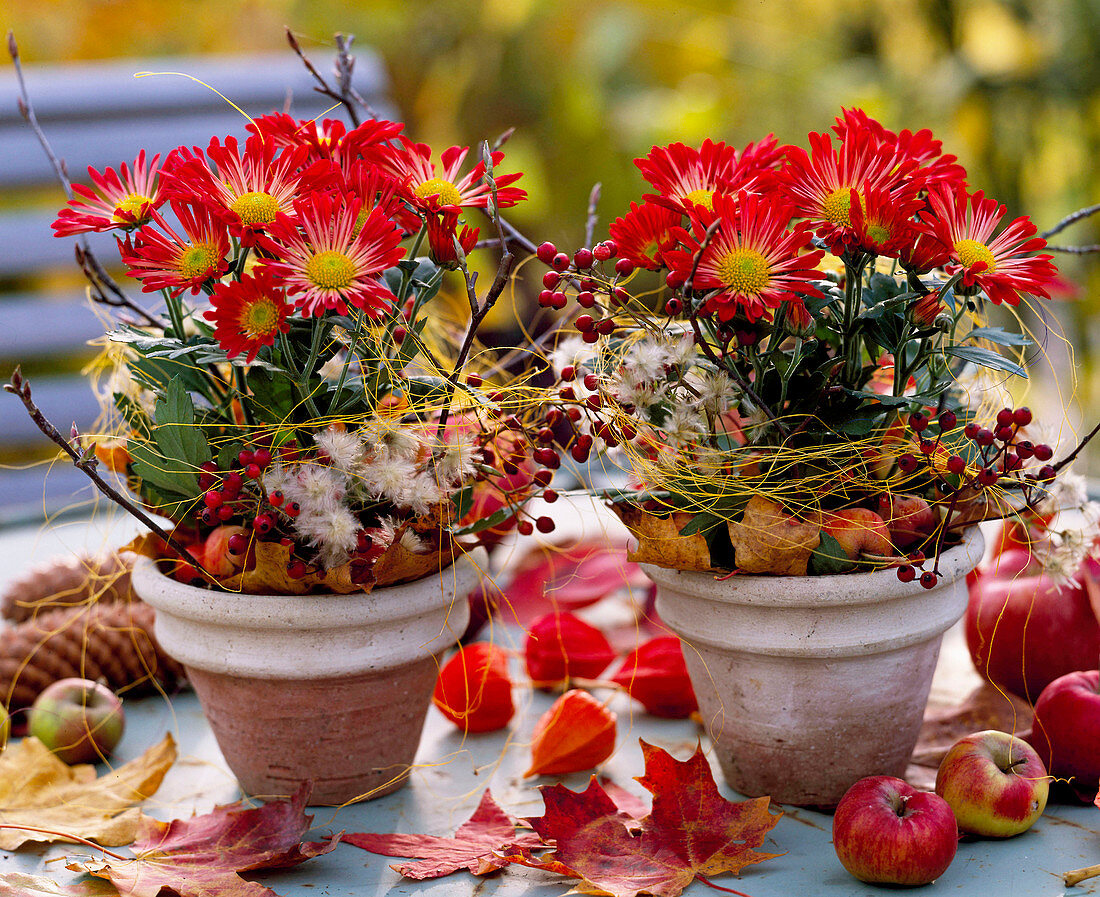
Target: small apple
[[859, 531], [885, 831], [995, 783], [1067, 727], [909, 518], [79, 720]]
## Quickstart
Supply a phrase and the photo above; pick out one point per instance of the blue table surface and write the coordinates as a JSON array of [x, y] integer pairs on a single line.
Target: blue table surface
[[452, 771]]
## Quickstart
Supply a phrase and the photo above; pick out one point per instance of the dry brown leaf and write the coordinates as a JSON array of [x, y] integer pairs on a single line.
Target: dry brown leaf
[[769, 540], [38, 790], [20, 884], [660, 542]]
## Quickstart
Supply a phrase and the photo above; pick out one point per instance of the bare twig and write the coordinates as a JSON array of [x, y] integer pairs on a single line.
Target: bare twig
[[591, 219], [1068, 459], [503, 139], [1074, 250], [104, 289], [27, 111], [1076, 876], [1071, 218], [344, 93], [87, 464]]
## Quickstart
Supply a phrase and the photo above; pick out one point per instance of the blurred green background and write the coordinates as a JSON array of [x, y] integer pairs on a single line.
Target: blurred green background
[[1011, 88]]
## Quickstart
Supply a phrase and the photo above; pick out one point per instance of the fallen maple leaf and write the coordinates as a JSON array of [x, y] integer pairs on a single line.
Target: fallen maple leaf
[[39, 791], [20, 884], [472, 847], [692, 831], [202, 856]]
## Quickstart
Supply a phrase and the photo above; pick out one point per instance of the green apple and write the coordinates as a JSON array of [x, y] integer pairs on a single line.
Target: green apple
[[79, 720]]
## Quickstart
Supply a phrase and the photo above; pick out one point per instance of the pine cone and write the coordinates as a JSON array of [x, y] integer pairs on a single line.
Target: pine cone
[[67, 581], [113, 642]]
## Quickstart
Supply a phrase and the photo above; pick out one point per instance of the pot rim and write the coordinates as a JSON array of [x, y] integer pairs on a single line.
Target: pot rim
[[836, 589]]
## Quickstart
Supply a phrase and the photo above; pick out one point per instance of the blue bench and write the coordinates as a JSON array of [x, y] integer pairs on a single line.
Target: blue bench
[[100, 115]]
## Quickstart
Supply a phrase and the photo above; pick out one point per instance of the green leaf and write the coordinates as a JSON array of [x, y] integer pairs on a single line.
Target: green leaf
[[463, 501], [177, 437], [494, 519], [158, 471], [273, 397], [999, 336], [701, 523], [986, 358], [829, 557]]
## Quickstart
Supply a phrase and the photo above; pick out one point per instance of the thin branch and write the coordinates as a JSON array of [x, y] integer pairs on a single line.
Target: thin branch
[[1076, 876], [104, 289], [1068, 459], [27, 111], [344, 65], [590, 221], [87, 464], [503, 139], [1071, 218], [1074, 250]]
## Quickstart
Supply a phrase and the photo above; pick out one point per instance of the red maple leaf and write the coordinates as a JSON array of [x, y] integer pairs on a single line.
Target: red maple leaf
[[202, 856], [692, 831], [473, 846]]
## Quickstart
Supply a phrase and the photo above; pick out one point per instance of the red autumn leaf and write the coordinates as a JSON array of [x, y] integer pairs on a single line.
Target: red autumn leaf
[[568, 577], [474, 690], [561, 645], [473, 846], [576, 733], [655, 675], [203, 856], [691, 832]]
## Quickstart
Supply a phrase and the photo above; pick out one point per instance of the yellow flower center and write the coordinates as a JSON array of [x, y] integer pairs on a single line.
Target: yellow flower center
[[446, 191], [260, 318], [837, 207], [198, 260], [256, 208], [330, 270], [878, 233], [131, 206], [701, 197], [743, 271], [970, 252]]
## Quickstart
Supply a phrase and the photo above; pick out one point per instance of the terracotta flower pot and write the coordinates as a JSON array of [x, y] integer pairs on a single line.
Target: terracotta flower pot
[[329, 688], [807, 684]]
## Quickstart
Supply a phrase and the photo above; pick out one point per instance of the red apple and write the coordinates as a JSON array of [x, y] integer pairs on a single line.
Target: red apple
[[79, 720], [908, 517], [216, 556], [1066, 732], [859, 531], [995, 783], [885, 831], [1024, 631]]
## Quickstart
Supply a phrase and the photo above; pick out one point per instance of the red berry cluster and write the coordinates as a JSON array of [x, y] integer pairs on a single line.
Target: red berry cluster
[[596, 291]]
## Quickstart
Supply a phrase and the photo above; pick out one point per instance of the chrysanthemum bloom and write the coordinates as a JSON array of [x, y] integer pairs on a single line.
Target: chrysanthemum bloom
[[248, 314], [753, 262], [880, 225], [329, 139], [411, 164], [644, 233], [337, 261], [125, 199], [685, 177], [1003, 266], [248, 190], [923, 252], [374, 188], [824, 185], [163, 260], [443, 232], [933, 166]]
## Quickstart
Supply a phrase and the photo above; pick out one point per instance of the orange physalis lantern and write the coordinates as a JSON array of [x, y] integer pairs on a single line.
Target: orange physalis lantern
[[561, 645], [576, 733], [474, 690], [655, 674]]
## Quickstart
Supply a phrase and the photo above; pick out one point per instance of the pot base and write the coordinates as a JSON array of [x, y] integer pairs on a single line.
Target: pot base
[[354, 737]]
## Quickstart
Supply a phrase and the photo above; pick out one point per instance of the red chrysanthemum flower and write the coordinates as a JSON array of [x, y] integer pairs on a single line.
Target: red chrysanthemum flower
[[923, 252], [248, 190], [248, 314], [880, 225], [1003, 266], [685, 177], [644, 233], [125, 200], [411, 165], [328, 140], [933, 166], [163, 260], [442, 234], [333, 260], [752, 262], [825, 184]]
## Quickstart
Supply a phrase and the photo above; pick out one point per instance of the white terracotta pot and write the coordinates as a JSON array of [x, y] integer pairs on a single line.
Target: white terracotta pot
[[807, 684], [329, 688]]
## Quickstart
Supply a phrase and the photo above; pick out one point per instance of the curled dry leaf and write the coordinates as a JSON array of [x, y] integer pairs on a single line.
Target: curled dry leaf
[[20, 884], [203, 856], [770, 540], [561, 645], [655, 675], [38, 790], [660, 542], [474, 847], [474, 690], [576, 733]]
